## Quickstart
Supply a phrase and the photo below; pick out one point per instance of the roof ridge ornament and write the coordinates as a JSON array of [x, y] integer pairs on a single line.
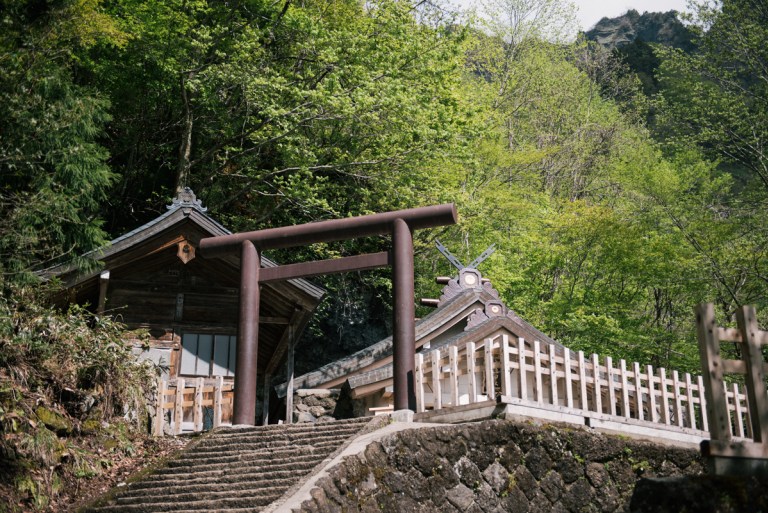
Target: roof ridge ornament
[[457, 263], [187, 198]]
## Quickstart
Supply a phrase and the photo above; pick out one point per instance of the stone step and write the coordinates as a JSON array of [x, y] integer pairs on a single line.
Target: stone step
[[256, 444], [256, 457], [168, 494], [261, 482], [213, 477], [226, 432], [249, 503]]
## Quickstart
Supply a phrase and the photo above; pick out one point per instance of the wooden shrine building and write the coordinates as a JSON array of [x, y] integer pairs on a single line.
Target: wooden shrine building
[[154, 278]]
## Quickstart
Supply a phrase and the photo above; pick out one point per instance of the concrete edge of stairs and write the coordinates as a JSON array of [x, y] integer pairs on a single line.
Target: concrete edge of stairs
[[373, 432]]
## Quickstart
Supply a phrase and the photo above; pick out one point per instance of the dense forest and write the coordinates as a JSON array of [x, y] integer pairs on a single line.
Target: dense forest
[[621, 184]]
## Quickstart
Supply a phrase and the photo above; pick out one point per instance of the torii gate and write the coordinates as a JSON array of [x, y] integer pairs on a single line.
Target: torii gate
[[400, 224]]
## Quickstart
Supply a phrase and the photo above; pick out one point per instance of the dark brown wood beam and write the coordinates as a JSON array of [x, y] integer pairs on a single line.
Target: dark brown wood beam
[[322, 267]]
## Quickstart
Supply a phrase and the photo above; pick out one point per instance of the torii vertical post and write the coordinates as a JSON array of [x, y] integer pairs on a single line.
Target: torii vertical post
[[404, 325], [399, 224], [244, 410]]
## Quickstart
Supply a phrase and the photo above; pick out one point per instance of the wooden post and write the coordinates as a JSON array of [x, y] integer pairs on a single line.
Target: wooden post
[[638, 390], [676, 394], [537, 371], [217, 400], [568, 378], [757, 399], [523, 368], [197, 406], [159, 419], [689, 399], [709, 352], [583, 382], [552, 375], [738, 420], [702, 403], [437, 392], [472, 378], [664, 395], [453, 361], [653, 416], [178, 411], [624, 388], [490, 386], [611, 385], [419, 382], [597, 391]]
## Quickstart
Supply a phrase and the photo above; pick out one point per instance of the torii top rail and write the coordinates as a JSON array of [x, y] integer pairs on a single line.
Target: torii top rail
[[400, 224]]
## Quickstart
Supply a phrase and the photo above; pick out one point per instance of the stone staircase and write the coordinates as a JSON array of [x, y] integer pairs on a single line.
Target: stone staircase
[[236, 470]]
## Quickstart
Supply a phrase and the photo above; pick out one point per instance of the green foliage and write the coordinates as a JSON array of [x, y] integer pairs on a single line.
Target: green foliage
[[53, 173], [60, 371]]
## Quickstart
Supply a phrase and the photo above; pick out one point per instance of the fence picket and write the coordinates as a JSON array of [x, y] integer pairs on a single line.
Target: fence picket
[[537, 371], [653, 416], [453, 361], [598, 394], [197, 407], [583, 382], [552, 375], [638, 390], [178, 412], [437, 393], [611, 385], [624, 388], [490, 387], [702, 403], [419, 382], [218, 396], [568, 378], [160, 409], [676, 393], [472, 378], [523, 368], [737, 412], [664, 395]]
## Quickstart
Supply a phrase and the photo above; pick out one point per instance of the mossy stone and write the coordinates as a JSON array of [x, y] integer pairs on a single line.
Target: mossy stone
[[53, 420]]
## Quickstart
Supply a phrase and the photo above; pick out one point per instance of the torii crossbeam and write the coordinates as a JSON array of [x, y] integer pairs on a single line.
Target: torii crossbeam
[[400, 224]]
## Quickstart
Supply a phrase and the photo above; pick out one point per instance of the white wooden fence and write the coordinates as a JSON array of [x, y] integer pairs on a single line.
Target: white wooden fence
[[569, 382], [186, 411]]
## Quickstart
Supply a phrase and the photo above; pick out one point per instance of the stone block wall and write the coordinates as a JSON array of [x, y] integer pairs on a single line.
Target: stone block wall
[[497, 466], [313, 405]]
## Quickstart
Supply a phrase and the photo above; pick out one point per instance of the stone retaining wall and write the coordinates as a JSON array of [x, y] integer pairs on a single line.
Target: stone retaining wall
[[497, 466], [312, 405]]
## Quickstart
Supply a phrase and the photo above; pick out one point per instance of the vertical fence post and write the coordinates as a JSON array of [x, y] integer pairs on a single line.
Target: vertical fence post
[[178, 410], [597, 390], [583, 382], [453, 362], [197, 406], [419, 383], [160, 409], [437, 392], [624, 388], [757, 399], [638, 390], [553, 375], [664, 395], [568, 378], [711, 363], [523, 368], [537, 371], [689, 399], [653, 416], [676, 393], [471, 377], [702, 403], [738, 420], [217, 400], [490, 387], [611, 385]]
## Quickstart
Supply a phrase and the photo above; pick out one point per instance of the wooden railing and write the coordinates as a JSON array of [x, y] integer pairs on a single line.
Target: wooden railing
[[727, 456], [513, 371], [186, 411]]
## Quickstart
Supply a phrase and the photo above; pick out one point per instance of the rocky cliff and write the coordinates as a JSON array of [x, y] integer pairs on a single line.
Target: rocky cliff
[[650, 27]]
